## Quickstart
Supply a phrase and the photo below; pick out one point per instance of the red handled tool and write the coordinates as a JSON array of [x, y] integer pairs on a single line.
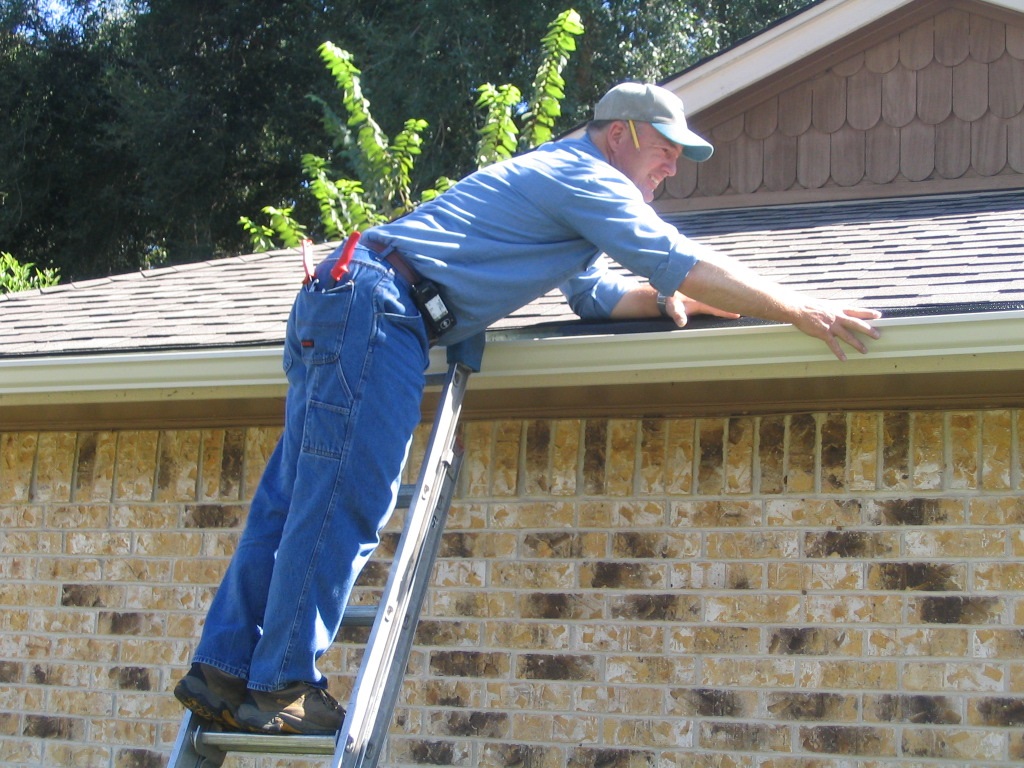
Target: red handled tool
[[341, 265], [307, 261]]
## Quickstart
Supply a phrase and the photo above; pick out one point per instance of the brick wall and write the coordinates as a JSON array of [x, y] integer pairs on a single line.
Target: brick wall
[[820, 590]]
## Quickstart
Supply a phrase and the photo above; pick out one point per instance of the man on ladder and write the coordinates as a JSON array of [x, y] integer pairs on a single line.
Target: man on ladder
[[356, 351]]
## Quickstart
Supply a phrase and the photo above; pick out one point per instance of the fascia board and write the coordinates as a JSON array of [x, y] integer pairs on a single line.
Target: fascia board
[[942, 344], [777, 48]]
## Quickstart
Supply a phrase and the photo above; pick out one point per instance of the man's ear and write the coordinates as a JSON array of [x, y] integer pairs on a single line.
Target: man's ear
[[616, 132]]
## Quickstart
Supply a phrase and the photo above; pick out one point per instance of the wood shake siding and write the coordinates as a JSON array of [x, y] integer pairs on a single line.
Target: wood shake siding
[[807, 589], [939, 101]]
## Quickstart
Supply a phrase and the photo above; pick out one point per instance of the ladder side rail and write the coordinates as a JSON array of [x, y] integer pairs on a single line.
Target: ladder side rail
[[186, 753], [396, 671], [381, 648]]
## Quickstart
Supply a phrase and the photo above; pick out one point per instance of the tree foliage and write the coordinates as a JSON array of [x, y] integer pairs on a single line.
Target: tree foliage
[[137, 132], [15, 276], [384, 190]]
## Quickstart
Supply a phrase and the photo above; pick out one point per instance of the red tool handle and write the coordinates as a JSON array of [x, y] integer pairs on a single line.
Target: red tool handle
[[341, 265]]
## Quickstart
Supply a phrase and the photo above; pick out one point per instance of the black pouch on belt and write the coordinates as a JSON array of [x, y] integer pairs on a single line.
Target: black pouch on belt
[[439, 319]]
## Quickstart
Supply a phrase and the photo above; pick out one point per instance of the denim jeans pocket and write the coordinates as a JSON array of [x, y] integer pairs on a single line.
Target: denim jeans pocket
[[333, 347]]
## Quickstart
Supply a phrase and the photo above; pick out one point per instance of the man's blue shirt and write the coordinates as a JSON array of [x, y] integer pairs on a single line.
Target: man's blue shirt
[[515, 230]]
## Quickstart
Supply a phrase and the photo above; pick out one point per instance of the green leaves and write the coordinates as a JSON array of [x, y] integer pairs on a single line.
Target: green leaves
[[549, 86], [15, 276], [383, 190]]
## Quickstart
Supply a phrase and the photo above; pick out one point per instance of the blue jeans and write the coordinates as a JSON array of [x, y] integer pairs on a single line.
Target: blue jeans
[[355, 357]]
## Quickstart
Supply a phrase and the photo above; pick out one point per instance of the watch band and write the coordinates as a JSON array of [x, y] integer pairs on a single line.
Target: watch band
[[662, 304]]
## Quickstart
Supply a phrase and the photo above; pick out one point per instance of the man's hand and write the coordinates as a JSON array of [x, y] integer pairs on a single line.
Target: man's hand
[[833, 323], [681, 307], [642, 302]]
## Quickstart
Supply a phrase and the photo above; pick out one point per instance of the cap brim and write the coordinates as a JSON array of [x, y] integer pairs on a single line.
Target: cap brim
[[694, 147]]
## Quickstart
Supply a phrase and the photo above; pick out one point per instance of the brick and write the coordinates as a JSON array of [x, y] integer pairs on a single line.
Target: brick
[[96, 456], [716, 514], [712, 702], [474, 476], [221, 464], [855, 544], [812, 706], [595, 456], [54, 465], [617, 699], [177, 473], [527, 635], [469, 664], [812, 512], [680, 455], [848, 740], [720, 672], [592, 757], [961, 745], [756, 545], [520, 756], [921, 709], [652, 457], [575, 729], [135, 469], [756, 608], [620, 469], [924, 577], [771, 454], [965, 444], [711, 456], [487, 725], [17, 459], [543, 515], [715, 640], [530, 695], [928, 457], [538, 666], [739, 469], [895, 451], [505, 469], [813, 641], [833, 453], [914, 511], [997, 712], [863, 451], [623, 575], [560, 605], [801, 454], [645, 732], [996, 511], [924, 641], [849, 674], [652, 606], [746, 737], [536, 457], [259, 445], [986, 543]]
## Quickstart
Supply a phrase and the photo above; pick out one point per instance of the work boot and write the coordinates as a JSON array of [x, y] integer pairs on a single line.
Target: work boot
[[212, 695], [300, 708]]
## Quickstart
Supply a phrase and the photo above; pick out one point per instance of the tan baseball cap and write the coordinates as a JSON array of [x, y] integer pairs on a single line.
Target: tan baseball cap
[[646, 103]]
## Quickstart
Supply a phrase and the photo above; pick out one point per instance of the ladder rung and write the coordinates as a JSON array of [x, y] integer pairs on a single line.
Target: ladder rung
[[267, 744], [359, 616], [405, 493]]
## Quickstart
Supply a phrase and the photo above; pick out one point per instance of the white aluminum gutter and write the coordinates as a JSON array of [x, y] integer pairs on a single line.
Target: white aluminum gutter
[[974, 343]]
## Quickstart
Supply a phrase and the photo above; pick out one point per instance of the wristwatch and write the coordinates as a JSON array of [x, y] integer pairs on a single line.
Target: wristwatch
[[662, 304]]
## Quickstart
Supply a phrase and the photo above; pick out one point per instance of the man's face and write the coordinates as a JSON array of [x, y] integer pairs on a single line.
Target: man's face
[[646, 161]]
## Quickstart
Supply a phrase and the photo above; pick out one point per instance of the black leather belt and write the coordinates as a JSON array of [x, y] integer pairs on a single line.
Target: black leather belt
[[393, 256]]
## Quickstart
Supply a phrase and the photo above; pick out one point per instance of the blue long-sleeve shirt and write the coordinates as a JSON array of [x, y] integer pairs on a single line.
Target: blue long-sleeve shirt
[[515, 230]]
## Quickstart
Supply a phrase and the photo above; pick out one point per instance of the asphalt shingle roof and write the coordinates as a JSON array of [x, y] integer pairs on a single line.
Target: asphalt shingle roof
[[908, 256]]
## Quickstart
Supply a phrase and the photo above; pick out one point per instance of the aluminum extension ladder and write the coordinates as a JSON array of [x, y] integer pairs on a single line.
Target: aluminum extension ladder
[[371, 706]]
